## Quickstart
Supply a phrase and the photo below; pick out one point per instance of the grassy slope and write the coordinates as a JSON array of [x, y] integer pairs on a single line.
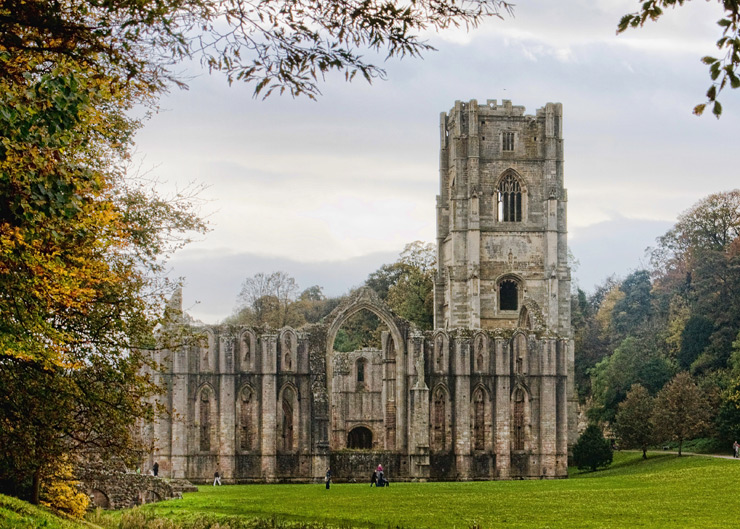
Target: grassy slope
[[664, 491], [17, 514]]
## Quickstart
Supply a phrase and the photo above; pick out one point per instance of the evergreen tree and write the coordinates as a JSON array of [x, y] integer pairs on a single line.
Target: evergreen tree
[[592, 451]]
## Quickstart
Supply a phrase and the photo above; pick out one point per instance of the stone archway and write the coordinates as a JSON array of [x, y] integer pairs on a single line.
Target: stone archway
[[360, 438], [380, 390]]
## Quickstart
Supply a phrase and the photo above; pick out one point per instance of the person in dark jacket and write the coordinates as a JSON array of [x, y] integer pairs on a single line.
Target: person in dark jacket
[[327, 478]]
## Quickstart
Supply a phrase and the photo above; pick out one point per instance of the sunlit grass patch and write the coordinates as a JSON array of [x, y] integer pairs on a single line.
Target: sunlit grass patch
[[663, 491]]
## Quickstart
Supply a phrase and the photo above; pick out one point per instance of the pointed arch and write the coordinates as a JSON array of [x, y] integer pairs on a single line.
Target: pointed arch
[[441, 352], [208, 352], [288, 348], [288, 419], [531, 317], [510, 197], [481, 355], [206, 418], [480, 422], [519, 349], [520, 419], [440, 423], [364, 299], [248, 351], [247, 420]]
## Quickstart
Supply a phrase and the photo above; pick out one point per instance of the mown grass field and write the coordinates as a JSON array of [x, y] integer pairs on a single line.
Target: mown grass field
[[664, 491]]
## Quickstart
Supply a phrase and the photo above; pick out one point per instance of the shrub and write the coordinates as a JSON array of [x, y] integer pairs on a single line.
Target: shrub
[[62, 494], [592, 451]]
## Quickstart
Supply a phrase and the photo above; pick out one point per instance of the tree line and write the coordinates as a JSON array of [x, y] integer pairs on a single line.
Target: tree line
[[658, 353], [406, 285]]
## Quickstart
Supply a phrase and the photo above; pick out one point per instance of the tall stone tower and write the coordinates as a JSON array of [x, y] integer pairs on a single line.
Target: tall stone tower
[[501, 219]]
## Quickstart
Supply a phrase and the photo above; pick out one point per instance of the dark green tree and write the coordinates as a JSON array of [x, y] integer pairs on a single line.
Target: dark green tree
[[592, 451], [634, 310], [694, 339], [635, 361]]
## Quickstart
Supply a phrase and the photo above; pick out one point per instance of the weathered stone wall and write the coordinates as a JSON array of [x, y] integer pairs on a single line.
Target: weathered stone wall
[[119, 490], [487, 395]]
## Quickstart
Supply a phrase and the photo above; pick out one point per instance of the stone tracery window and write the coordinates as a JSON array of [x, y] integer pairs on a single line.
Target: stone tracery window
[[507, 141], [509, 199]]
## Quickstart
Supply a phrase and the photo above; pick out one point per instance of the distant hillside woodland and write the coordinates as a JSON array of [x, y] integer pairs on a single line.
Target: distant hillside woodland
[[680, 317]]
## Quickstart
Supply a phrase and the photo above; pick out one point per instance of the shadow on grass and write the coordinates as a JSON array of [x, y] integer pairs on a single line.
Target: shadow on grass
[[626, 463]]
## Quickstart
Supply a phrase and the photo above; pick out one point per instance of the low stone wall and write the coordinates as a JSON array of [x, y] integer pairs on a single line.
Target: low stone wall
[[119, 490]]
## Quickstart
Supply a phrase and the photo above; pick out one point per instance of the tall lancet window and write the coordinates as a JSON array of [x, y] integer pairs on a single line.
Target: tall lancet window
[[205, 420], [509, 199], [479, 421], [287, 426], [519, 424]]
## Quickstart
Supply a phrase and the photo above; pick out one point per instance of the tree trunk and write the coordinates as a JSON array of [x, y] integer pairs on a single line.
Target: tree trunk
[[36, 487], [644, 452]]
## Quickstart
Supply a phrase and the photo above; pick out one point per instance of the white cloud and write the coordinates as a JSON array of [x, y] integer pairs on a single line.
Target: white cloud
[[356, 172]]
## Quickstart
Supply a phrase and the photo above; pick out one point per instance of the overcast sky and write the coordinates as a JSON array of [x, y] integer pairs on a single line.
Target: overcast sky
[[329, 190]]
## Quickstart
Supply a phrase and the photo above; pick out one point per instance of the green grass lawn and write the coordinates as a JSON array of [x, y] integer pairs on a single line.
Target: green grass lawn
[[664, 491]]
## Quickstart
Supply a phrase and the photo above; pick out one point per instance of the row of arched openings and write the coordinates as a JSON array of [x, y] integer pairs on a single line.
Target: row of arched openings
[[288, 346], [481, 420], [481, 356], [247, 427]]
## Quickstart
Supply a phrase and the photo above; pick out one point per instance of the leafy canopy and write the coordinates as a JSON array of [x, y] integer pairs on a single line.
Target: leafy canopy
[[723, 70], [286, 45]]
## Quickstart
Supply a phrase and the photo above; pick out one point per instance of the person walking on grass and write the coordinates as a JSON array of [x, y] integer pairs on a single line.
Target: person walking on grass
[[327, 478], [735, 449], [216, 478], [374, 479]]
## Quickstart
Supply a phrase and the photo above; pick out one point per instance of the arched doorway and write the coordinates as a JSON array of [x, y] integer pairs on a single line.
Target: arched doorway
[[360, 438]]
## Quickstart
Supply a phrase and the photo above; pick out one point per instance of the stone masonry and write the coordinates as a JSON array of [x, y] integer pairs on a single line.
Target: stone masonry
[[487, 395]]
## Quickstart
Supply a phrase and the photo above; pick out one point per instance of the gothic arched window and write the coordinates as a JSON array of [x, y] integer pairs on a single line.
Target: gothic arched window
[[361, 369], [479, 421], [519, 419], [509, 199], [508, 294], [287, 426], [439, 420], [246, 425], [205, 420]]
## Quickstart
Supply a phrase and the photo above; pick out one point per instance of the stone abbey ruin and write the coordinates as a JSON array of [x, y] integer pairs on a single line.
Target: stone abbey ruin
[[487, 395]]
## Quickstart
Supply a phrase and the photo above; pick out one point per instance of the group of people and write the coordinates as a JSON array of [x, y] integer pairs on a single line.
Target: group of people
[[378, 478]]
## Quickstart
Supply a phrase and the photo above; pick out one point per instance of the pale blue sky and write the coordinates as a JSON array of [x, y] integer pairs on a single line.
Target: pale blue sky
[[329, 190]]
